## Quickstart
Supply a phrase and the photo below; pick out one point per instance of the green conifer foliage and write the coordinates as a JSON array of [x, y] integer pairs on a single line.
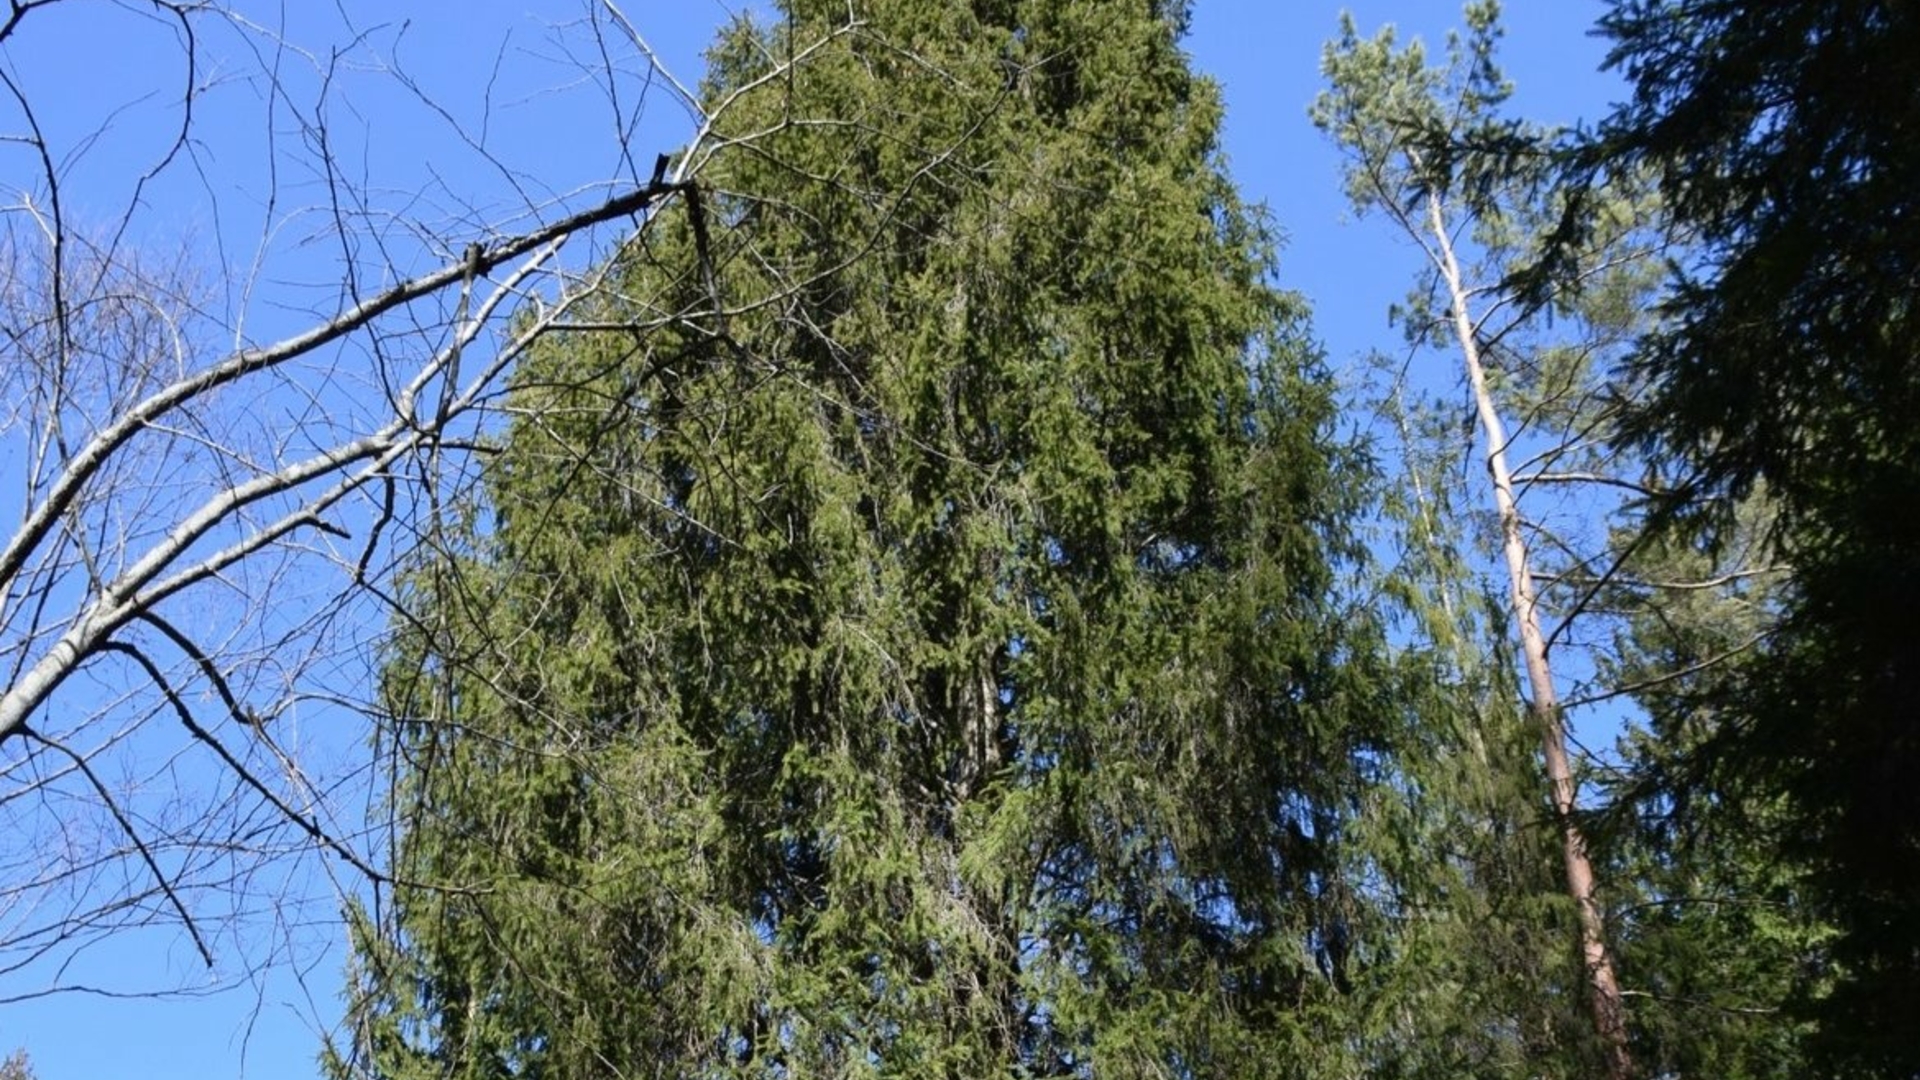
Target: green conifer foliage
[[1783, 134], [908, 642]]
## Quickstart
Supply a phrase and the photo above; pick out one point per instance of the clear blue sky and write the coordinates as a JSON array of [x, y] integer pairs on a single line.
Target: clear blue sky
[[1265, 52]]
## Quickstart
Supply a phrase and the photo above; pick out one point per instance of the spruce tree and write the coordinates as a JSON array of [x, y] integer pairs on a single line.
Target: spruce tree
[[904, 636], [1783, 136]]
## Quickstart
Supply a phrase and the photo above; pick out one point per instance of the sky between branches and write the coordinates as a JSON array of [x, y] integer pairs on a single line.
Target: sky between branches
[[1265, 52]]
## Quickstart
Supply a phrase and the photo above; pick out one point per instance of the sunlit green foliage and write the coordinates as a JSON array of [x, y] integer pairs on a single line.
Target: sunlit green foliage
[[1709, 933], [918, 650]]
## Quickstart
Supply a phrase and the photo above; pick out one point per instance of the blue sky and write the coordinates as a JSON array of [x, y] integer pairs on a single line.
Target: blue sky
[[467, 55]]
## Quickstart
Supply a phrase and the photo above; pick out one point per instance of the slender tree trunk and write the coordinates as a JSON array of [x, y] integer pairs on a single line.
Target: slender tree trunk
[[1609, 1015]]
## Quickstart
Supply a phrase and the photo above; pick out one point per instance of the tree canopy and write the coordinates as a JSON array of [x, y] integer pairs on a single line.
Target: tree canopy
[[914, 599], [939, 669], [1783, 140]]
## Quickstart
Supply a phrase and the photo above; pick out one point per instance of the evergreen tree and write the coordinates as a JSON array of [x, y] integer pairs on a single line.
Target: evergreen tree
[[906, 640], [1784, 135], [1427, 148], [1702, 938], [1484, 979], [1716, 931]]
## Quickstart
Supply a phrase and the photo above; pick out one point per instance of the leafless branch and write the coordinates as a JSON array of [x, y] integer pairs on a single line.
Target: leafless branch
[[215, 477]]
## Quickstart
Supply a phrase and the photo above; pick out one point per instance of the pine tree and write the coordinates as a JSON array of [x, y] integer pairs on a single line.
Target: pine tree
[[907, 640], [1427, 148], [1485, 980], [1700, 939]]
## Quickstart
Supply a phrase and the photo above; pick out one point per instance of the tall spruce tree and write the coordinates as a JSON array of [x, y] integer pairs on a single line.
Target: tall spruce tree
[[904, 639], [1787, 136]]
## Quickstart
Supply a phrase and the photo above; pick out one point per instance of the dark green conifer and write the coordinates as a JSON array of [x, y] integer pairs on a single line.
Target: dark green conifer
[[1783, 136]]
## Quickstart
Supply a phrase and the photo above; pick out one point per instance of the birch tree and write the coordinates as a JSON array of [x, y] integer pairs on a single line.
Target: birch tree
[[221, 441]]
